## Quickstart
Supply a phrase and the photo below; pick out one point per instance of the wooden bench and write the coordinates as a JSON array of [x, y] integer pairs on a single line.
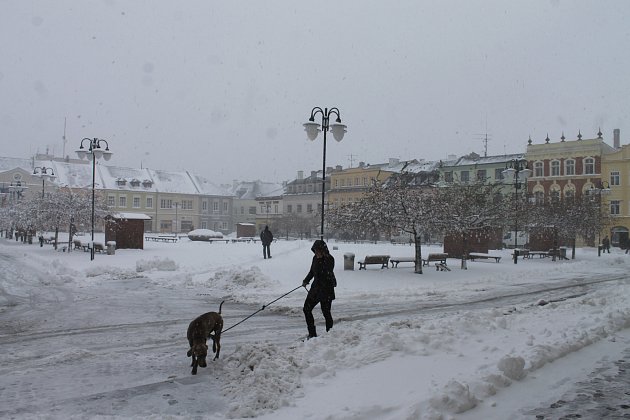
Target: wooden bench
[[540, 254], [396, 260], [479, 256], [383, 260], [77, 244], [522, 253], [441, 257], [98, 247]]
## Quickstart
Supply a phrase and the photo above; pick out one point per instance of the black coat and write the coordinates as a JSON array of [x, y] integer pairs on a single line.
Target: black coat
[[323, 287], [266, 237]]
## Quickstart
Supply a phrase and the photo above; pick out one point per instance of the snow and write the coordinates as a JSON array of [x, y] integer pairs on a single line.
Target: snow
[[107, 338]]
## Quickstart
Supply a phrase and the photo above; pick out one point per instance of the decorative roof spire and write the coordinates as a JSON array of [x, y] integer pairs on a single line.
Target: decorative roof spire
[[530, 140], [562, 138], [579, 135], [599, 133], [547, 139]]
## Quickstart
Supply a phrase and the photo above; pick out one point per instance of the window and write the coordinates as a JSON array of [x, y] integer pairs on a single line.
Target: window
[[589, 166], [224, 224], [136, 202], [225, 207], [215, 206], [275, 208], [252, 210], [204, 225], [538, 169], [615, 178], [149, 203], [555, 168], [569, 167], [204, 205], [356, 181], [309, 208], [481, 175], [498, 173], [555, 195], [242, 210], [289, 208], [464, 176], [343, 182], [448, 176], [111, 201], [166, 204], [539, 197], [615, 207], [299, 208], [135, 182], [187, 204], [365, 181], [122, 201]]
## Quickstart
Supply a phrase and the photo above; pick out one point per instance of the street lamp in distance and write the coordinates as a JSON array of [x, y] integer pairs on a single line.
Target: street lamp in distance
[[516, 171], [312, 129], [45, 173], [93, 152]]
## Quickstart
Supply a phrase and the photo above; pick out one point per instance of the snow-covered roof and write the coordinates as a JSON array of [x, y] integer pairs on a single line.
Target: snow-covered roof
[[206, 187], [8, 163], [131, 216], [251, 190]]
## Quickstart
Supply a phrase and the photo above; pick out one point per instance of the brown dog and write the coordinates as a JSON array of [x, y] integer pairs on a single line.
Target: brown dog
[[199, 331]]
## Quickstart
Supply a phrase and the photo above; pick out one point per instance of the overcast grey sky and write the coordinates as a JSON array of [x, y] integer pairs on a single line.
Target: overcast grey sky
[[222, 88]]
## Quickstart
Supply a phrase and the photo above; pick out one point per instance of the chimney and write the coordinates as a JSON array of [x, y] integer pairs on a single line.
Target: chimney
[[300, 175], [616, 138], [338, 168]]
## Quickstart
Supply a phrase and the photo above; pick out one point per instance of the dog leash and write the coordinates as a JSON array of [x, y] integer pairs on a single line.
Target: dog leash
[[263, 308]]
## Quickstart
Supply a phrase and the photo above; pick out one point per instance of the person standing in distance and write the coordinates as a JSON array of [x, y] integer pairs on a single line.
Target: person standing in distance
[[266, 237], [323, 289]]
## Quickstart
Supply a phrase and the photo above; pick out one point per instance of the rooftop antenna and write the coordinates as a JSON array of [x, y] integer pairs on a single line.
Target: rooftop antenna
[[485, 137], [351, 158], [63, 154]]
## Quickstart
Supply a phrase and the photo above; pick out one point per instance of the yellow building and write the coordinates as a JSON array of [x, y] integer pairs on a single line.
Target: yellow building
[[350, 185], [616, 204]]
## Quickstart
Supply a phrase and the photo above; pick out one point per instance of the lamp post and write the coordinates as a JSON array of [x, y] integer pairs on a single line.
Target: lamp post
[[312, 130], [94, 151], [513, 170], [44, 172], [601, 188]]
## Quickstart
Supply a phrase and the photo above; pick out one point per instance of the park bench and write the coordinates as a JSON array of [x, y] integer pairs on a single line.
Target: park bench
[[540, 254], [98, 247], [479, 256], [396, 260], [77, 244], [383, 260], [440, 257], [522, 253]]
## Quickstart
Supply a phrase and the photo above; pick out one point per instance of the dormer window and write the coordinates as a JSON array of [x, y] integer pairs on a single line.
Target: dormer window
[[121, 182], [147, 183], [135, 182]]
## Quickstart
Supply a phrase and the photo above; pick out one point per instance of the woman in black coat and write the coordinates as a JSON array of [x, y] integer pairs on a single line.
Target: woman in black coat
[[323, 289]]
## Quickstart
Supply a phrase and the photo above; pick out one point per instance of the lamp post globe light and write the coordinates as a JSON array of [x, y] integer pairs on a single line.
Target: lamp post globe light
[[312, 129], [601, 188], [92, 152], [45, 173], [516, 171]]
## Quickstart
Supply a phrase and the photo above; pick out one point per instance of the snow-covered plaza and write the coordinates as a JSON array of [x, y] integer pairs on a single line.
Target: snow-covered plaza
[[107, 338]]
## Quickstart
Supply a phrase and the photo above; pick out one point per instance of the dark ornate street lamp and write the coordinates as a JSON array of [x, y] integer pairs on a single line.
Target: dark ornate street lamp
[[45, 173], [94, 151], [599, 189], [312, 130], [516, 171]]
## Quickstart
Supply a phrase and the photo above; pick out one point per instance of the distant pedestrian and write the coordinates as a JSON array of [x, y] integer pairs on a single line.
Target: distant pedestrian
[[606, 244], [323, 289], [266, 237], [41, 240]]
